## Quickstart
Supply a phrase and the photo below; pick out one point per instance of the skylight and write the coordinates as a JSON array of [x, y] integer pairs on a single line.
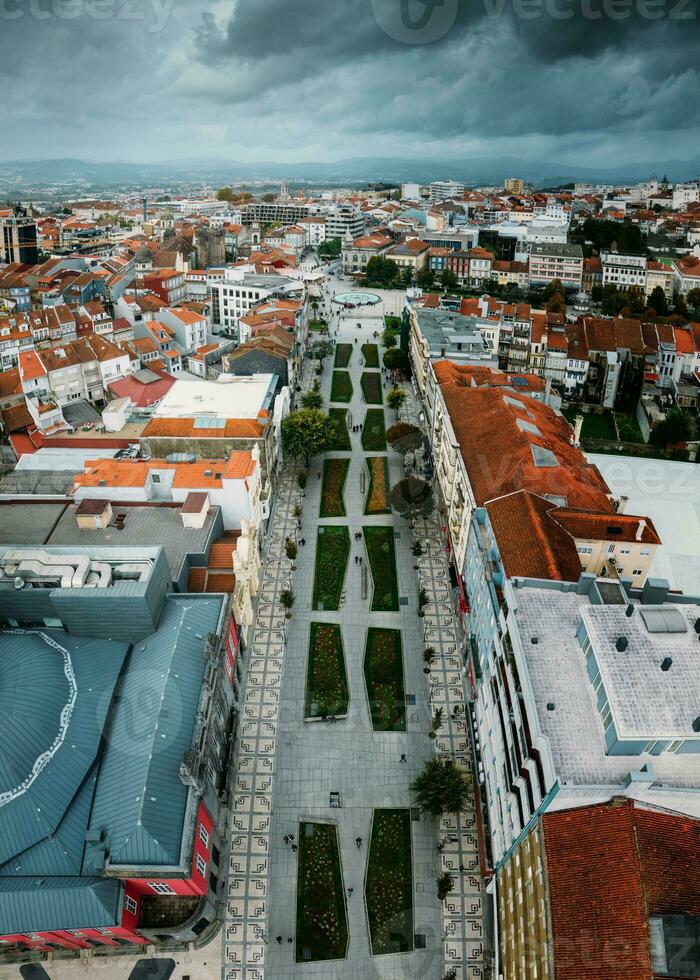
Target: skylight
[[528, 427], [543, 457]]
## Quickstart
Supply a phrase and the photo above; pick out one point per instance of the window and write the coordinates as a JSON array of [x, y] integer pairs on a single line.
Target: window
[[161, 888], [637, 571], [204, 835], [130, 905], [201, 865]]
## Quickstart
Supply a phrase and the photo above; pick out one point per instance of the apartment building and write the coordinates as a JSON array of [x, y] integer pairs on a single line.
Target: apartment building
[[564, 262], [624, 271]]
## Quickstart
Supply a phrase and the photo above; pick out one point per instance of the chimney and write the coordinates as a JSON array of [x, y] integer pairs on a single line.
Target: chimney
[[640, 529], [578, 426]]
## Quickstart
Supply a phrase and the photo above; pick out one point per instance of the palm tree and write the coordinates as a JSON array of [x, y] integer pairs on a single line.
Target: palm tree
[[287, 600]]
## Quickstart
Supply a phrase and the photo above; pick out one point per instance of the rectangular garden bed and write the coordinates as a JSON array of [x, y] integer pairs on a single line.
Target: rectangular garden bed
[[341, 387], [389, 883], [343, 353], [326, 677], [332, 551], [342, 440], [384, 679], [322, 926], [370, 352], [371, 384], [335, 472], [374, 431], [378, 501], [381, 554]]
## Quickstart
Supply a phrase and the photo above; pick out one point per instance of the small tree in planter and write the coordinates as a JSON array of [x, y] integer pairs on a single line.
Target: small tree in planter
[[428, 657], [445, 884], [297, 512], [451, 975], [417, 549], [287, 601], [302, 479], [312, 399], [423, 600], [412, 498], [437, 719], [290, 549], [395, 398], [442, 787]]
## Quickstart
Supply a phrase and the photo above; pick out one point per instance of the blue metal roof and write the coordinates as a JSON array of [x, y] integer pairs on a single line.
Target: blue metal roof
[[55, 692], [47, 904], [140, 801]]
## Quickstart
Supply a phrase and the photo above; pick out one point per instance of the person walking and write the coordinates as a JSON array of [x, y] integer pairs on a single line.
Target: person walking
[[286, 839], [294, 848], [358, 841], [403, 757], [279, 940]]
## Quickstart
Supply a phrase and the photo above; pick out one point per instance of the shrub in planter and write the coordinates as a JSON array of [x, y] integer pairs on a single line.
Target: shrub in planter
[[445, 884], [290, 549], [302, 479]]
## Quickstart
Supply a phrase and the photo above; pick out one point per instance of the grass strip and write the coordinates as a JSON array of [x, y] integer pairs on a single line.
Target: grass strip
[[326, 677], [332, 551], [342, 439], [378, 501], [343, 353], [322, 925], [335, 472], [370, 352], [379, 542], [341, 387], [389, 883], [374, 431], [383, 666], [371, 384]]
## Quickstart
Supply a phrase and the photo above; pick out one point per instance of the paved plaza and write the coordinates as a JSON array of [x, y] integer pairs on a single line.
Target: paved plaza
[[289, 767]]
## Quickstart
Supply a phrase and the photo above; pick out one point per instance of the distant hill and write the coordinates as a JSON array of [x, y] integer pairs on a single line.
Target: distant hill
[[478, 170]]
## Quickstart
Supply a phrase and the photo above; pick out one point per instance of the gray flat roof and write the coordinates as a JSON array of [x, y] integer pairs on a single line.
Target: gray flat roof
[[143, 526], [669, 493], [646, 701], [27, 522], [557, 671]]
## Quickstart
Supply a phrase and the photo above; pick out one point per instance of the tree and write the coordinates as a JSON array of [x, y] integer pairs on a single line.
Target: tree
[[596, 293], [448, 279], [552, 288], [657, 301], [224, 194], [287, 600], [425, 278], [441, 788], [396, 360], [312, 399], [412, 498], [406, 278], [445, 884], [307, 433], [404, 438], [556, 304], [330, 249], [383, 272], [320, 350], [268, 198], [389, 338], [395, 398], [676, 427], [290, 549]]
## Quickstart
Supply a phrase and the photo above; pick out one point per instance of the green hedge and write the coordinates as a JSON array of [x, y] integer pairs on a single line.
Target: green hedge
[[343, 353], [379, 542], [326, 677], [332, 551], [383, 667], [374, 431], [389, 883], [341, 387], [322, 926], [335, 472], [370, 352], [342, 441], [371, 384]]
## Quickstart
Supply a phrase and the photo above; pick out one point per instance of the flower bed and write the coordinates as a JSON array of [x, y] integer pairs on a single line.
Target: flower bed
[[343, 353], [341, 387], [371, 384], [332, 550], [389, 883], [326, 678], [383, 668], [373, 431], [335, 472], [342, 439], [370, 352], [322, 925], [379, 542], [378, 501]]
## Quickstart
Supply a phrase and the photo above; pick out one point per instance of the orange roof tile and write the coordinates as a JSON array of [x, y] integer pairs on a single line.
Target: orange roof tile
[[185, 429], [532, 545]]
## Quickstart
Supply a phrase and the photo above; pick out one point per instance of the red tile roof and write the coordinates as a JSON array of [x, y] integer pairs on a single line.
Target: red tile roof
[[497, 448], [143, 394], [530, 543], [597, 527], [610, 866]]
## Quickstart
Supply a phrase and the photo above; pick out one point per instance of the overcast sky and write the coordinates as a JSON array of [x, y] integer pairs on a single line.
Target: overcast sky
[[295, 80]]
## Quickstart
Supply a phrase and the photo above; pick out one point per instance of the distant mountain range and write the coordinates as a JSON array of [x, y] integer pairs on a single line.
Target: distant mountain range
[[478, 170]]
